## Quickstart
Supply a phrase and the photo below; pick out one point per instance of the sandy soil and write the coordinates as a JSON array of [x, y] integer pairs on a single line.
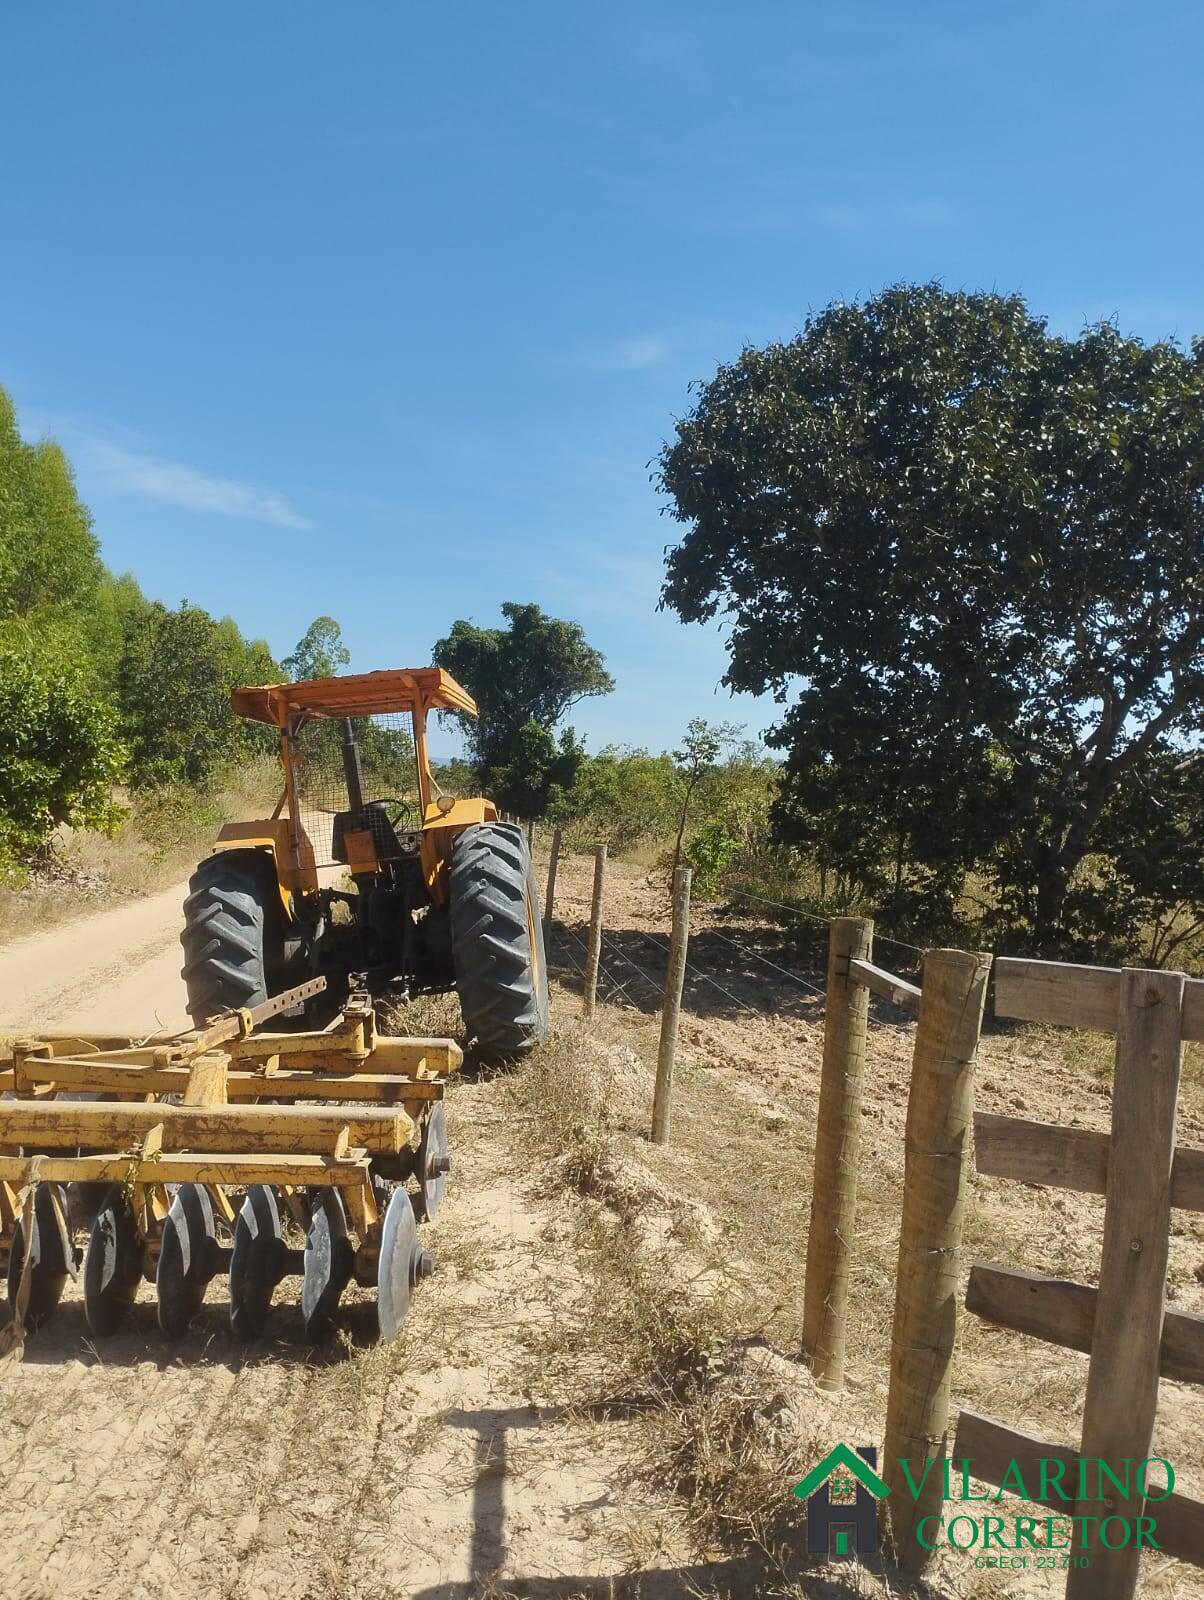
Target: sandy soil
[[443, 1466], [116, 969], [429, 1468], [744, 1143]]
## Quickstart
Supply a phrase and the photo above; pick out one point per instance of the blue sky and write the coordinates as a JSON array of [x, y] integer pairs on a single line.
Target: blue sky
[[382, 310]]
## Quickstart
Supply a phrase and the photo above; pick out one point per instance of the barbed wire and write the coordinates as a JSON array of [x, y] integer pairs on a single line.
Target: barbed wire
[[659, 943], [765, 961], [561, 927], [797, 911], [702, 976], [608, 977], [621, 987], [635, 967], [901, 944], [813, 916]]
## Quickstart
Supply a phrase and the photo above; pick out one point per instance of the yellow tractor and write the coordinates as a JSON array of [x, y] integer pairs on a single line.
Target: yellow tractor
[[366, 872]]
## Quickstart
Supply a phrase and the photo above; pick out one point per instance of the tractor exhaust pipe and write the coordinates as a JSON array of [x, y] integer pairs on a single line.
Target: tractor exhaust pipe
[[352, 771]]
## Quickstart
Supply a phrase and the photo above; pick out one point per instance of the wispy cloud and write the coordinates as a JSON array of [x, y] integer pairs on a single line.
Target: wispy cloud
[[636, 354], [135, 471], [128, 462]]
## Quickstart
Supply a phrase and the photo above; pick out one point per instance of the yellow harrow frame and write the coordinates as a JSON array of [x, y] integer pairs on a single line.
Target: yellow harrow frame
[[187, 1155]]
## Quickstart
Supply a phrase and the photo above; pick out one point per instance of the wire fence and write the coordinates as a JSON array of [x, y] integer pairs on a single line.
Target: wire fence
[[640, 987]]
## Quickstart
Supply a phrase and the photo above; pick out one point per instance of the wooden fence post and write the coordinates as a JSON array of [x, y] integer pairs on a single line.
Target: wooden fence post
[[593, 955], [1122, 1380], [675, 977], [550, 897], [940, 1110], [837, 1141], [531, 835]]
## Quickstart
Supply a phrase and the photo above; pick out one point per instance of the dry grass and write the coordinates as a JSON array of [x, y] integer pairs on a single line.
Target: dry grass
[[433, 1016], [665, 1331], [702, 1325], [1091, 1054], [164, 834]]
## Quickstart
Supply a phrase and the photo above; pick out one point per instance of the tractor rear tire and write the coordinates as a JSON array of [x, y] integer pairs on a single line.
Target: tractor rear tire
[[497, 941], [231, 934]]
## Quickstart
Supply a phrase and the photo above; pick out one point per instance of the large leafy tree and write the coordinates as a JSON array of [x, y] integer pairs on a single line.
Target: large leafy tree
[[967, 557], [524, 678], [49, 558], [56, 598], [177, 671]]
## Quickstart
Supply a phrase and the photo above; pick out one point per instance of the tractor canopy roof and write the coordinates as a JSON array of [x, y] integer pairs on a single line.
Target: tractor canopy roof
[[362, 694]]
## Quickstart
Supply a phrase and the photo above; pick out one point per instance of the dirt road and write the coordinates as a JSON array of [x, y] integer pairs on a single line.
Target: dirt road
[[434, 1467], [116, 969]]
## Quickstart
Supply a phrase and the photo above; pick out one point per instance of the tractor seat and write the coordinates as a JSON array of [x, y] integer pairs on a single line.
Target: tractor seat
[[371, 818]]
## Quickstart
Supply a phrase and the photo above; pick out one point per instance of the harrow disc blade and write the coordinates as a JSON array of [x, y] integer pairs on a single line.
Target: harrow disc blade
[[188, 1258], [258, 1262], [112, 1266], [52, 1258], [432, 1165], [85, 1200], [401, 1263], [329, 1259]]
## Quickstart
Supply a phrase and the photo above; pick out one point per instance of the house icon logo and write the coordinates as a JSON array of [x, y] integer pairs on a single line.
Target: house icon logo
[[842, 1494]]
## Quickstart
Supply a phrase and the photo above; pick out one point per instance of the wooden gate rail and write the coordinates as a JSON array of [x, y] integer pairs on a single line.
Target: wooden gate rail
[[1070, 1158], [884, 984], [1079, 997], [1124, 1325], [993, 1447]]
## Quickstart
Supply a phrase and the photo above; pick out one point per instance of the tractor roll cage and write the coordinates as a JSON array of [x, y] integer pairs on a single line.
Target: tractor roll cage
[[364, 694], [288, 706]]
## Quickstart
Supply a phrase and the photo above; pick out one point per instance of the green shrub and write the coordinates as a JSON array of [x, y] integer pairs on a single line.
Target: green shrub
[[709, 852], [59, 756]]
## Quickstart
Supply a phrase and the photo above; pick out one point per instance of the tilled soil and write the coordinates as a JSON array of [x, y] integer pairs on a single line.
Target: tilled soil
[[743, 1144]]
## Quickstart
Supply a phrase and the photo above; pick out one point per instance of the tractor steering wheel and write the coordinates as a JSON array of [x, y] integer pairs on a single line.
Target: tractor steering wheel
[[400, 812]]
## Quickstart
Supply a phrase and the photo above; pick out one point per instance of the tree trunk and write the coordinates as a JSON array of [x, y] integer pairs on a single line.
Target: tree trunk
[[681, 828], [1052, 885]]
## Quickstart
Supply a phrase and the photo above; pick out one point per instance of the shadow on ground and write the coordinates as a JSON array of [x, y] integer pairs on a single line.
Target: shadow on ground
[[139, 1342], [729, 1578], [730, 972]]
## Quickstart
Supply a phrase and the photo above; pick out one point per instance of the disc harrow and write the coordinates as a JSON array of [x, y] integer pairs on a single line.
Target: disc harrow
[[230, 1152]]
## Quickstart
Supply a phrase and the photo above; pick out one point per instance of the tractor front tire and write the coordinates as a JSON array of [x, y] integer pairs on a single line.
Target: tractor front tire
[[230, 929], [497, 941]]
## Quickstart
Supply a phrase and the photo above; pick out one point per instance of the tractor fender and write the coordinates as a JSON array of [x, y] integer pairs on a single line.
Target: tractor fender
[[440, 829], [270, 840]]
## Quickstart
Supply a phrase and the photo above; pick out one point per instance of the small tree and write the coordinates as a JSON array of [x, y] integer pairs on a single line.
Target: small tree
[[695, 762], [621, 796], [319, 653], [523, 677], [709, 852]]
